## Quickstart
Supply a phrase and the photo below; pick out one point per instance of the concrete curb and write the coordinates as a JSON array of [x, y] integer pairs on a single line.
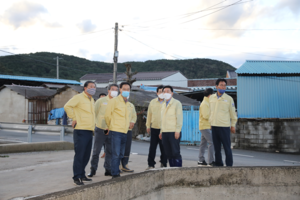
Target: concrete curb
[[192, 183], [39, 146]]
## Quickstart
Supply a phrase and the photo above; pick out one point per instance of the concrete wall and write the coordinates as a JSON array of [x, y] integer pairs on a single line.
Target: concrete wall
[[232, 183], [62, 98], [281, 135], [13, 107]]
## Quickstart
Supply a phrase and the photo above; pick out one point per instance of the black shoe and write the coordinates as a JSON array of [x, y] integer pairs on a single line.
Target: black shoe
[[85, 179], [92, 173], [107, 173], [78, 181], [213, 164], [203, 163], [116, 176]]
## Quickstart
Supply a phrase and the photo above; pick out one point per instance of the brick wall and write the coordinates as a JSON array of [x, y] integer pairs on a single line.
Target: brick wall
[[208, 82], [269, 135]]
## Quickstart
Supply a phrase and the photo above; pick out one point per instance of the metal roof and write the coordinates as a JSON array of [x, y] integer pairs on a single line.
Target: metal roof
[[232, 74], [30, 92], [269, 67], [38, 79]]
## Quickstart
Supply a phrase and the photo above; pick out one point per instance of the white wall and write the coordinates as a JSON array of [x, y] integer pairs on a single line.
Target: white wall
[[176, 80], [13, 107]]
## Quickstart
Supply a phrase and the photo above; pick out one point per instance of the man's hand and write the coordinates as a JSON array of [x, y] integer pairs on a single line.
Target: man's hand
[[131, 125], [177, 135], [232, 129], [74, 123], [107, 132], [148, 130], [160, 136]]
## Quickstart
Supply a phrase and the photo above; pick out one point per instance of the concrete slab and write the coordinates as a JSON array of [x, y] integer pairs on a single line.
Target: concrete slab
[[36, 173]]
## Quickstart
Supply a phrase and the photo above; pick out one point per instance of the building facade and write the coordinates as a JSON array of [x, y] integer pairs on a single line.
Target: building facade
[[268, 106]]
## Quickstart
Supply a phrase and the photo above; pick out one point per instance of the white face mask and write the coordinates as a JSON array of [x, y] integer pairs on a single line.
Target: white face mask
[[113, 94], [167, 96], [161, 96]]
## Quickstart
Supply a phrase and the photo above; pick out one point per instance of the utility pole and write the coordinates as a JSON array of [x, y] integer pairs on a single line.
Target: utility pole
[[57, 66], [116, 54]]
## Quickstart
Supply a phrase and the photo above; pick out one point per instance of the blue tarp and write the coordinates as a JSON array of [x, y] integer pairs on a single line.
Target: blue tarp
[[56, 113]]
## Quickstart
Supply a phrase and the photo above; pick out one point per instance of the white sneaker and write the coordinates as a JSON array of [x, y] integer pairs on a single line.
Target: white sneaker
[[149, 167]]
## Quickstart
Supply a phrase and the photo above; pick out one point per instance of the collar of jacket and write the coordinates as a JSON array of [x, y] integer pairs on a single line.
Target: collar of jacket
[[171, 101], [206, 99], [84, 94], [121, 98]]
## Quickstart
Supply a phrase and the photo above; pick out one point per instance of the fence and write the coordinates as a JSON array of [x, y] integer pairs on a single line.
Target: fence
[[29, 129], [190, 128]]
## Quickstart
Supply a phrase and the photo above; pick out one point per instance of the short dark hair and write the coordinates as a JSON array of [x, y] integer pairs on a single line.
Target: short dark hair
[[111, 85], [221, 80], [102, 94], [159, 87], [208, 91], [125, 83], [88, 82], [168, 86]]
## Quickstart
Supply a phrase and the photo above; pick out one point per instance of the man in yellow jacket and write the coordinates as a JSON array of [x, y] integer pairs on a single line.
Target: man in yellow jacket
[[81, 110], [132, 117], [222, 120], [101, 132], [171, 124], [117, 120], [153, 124], [204, 127]]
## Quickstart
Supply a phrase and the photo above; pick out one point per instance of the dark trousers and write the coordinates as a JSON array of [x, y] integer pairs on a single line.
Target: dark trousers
[[99, 141], [118, 142], [125, 159], [154, 140], [221, 135], [171, 145], [82, 146]]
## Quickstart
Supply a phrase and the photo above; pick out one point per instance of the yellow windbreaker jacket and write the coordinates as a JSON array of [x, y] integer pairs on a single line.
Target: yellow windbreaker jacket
[[222, 111], [154, 114], [132, 113], [117, 115], [171, 116], [100, 108], [204, 114], [81, 109]]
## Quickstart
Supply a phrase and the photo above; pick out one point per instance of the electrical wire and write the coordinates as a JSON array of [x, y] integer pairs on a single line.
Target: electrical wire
[[152, 47]]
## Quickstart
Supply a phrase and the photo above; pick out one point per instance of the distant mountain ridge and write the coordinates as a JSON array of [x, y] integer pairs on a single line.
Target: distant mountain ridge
[[42, 64]]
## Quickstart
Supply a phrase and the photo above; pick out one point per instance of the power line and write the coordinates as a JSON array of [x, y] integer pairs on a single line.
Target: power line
[[219, 9], [152, 47], [230, 49], [210, 8]]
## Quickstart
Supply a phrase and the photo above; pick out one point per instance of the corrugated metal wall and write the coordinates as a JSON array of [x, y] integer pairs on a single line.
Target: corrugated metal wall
[[268, 97], [190, 128]]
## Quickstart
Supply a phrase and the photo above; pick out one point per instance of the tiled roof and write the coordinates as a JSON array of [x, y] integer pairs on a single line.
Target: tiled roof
[[107, 77], [269, 67]]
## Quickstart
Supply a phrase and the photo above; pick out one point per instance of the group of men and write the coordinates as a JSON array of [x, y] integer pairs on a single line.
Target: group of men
[[111, 120], [217, 118]]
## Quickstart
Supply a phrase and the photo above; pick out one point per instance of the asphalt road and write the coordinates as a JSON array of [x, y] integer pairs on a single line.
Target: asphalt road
[[240, 157]]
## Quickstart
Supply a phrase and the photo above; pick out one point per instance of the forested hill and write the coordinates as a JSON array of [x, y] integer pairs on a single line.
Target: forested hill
[[42, 64]]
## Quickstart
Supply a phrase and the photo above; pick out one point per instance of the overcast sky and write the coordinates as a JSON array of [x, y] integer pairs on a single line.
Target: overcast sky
[[156, 29]]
